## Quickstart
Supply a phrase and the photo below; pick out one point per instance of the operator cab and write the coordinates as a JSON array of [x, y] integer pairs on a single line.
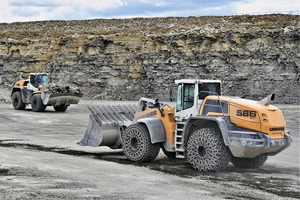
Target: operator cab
[[37, 79], [190, 95]]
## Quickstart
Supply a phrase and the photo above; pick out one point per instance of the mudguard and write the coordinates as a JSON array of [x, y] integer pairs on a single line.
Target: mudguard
[[156, 129], [204, 121]]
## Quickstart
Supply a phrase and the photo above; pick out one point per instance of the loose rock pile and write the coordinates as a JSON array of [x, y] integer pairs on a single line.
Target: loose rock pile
[[56, 90], [4, 96]]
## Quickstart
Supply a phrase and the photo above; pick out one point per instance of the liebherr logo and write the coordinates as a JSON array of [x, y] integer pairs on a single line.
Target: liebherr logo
[[277, 129], [150, 114]]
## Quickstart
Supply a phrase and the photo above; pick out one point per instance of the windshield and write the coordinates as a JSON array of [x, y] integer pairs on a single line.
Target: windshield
[[43, 79], [38, 79]]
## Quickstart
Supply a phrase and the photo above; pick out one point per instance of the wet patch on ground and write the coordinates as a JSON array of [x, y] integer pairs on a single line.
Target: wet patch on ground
[[267, 179]]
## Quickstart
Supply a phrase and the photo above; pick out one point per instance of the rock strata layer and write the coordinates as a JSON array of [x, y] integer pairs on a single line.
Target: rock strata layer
[[125, 59]]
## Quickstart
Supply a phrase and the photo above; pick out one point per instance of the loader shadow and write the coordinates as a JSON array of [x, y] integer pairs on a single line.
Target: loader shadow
[[268, 179], [4, 172], [48, 110], [30, 110], [162, 163]]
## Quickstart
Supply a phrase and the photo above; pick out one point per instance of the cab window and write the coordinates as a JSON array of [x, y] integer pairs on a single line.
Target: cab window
[[188, 96], [209, 89], [179, 100]]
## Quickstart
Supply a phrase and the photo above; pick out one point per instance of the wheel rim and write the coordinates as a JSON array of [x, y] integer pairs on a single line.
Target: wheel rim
[[134, 143], [201, 151]]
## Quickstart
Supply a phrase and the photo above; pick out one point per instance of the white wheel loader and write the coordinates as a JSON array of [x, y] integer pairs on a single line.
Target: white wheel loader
[[37, 91]]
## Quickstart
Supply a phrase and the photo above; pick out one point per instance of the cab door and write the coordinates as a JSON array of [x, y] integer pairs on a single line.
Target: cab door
[[186, 98]]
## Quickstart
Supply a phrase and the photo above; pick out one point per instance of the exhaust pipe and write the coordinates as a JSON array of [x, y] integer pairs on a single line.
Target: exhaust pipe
[[266, 101]]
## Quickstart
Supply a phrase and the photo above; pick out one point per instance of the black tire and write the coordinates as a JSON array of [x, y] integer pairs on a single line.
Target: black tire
[[61, 108], [137, 145], [171, 155], [249, 163], [206, 150], [37, 104], [17, 102]]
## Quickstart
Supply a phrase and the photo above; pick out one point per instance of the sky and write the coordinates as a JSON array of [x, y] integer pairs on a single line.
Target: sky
[[40, 10]]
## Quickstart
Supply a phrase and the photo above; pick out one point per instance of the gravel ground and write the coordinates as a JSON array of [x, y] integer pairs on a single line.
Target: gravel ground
[[40, 159]]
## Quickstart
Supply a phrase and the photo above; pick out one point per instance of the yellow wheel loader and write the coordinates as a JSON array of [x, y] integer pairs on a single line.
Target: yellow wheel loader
[[207, 129], [37, 91]]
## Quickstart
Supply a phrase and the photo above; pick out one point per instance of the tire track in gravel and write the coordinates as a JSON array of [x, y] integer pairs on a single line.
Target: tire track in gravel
[[283, 182]]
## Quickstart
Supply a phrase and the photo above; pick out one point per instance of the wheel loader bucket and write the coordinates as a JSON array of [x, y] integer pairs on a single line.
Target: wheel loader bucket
[[61, 99], [60, 95], [105, 125]]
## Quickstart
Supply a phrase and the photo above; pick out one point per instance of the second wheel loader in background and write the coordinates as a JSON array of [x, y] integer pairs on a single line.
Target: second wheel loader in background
[[208, 129], [37, 91]]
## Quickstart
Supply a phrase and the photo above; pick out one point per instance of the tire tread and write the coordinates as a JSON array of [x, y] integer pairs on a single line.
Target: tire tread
[[217, 155], [17, 102], [146, 151]]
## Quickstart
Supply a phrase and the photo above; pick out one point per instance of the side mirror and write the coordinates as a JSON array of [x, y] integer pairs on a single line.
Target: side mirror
[[171, 93]]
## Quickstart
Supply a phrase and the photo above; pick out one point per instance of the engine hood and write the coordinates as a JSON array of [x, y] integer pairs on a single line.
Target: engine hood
[[253, 115]]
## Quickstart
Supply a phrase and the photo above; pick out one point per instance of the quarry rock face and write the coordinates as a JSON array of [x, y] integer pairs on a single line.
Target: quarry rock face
[[126, 59]]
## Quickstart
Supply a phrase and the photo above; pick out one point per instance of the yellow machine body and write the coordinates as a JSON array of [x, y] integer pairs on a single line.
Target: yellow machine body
[[166, 115], [252, 115]]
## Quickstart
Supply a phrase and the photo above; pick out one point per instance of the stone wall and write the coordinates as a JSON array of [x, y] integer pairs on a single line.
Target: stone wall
[[125, 59]]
